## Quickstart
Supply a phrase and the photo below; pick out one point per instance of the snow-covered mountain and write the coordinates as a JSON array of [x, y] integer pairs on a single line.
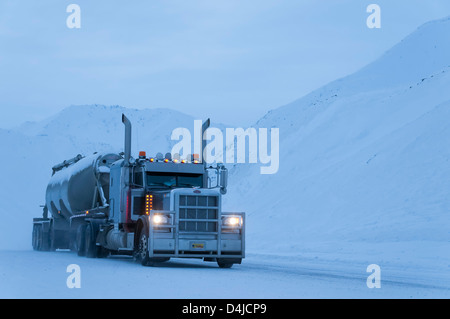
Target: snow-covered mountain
[[91, 128], [363, 159]]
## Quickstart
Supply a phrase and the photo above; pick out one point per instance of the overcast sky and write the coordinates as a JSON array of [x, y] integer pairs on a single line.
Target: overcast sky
[[231, 60]]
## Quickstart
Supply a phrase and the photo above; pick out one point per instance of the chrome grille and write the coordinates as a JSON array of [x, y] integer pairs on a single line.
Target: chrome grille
[[198, 213]]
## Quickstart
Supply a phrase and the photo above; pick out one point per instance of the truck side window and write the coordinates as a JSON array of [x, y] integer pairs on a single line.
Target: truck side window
[[138, 180]]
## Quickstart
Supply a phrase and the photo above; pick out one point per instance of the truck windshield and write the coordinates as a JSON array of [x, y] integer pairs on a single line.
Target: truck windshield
[[171, 180]]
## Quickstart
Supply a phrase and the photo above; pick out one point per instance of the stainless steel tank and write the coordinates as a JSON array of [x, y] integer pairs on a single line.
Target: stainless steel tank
[[74, 189]]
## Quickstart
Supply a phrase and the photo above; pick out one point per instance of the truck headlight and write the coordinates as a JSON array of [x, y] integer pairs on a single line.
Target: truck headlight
[[232, 221], [160, 220]]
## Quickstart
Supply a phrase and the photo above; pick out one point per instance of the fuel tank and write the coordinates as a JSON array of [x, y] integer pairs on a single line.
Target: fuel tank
[[74, 188]]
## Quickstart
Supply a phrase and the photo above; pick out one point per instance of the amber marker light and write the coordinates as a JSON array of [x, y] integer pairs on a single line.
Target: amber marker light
[[148, 204]]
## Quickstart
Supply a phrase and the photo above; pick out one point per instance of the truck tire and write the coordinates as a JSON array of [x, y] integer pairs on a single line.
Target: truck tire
[[228, 262], [36, 240], [41, 240], [57, 238], [91, 248], [80, 241], [142, 250], [102, 252], [224, 264]]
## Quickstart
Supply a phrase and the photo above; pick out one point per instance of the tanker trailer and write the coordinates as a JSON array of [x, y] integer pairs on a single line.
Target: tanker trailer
[[78, 187]]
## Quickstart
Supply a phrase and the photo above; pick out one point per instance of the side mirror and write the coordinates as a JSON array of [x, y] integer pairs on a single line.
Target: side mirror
[[223, 179]]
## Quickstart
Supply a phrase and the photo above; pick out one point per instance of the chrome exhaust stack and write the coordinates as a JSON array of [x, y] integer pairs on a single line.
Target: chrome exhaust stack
[[127, 148]]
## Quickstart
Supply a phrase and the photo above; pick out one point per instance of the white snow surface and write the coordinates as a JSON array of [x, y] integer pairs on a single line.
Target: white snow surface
[[262, 276], [364, 179]]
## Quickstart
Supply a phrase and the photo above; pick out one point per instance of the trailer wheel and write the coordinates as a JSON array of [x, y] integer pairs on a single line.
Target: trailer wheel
[[36, 240], [80, 242], [41, 240]]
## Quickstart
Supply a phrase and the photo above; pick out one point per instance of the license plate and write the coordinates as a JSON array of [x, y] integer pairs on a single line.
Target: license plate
[[198, 245]]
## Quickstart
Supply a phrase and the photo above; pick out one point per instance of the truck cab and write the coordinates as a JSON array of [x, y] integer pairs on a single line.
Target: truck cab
[[169, 209]]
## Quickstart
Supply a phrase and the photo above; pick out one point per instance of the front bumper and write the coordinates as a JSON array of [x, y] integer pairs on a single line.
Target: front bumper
[[169, 241]]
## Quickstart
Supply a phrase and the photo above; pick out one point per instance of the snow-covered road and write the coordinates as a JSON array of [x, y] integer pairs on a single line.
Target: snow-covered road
[[30, 274]]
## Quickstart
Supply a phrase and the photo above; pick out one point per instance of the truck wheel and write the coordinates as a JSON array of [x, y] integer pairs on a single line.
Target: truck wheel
[[80, 241], [228, 262], [91, 248], [55, 240], [36, 237], [224, 264], [103, 252], [41, 240], [142, 251]]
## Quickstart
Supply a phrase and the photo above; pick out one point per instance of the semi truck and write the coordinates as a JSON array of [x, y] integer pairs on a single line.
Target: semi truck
[[151, 208]]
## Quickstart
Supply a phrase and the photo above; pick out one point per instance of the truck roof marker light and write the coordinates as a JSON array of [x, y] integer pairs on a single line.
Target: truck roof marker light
[[159, 157], [183, 161], [151, 159], [175, 160], [166, 160], [195, 158]]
